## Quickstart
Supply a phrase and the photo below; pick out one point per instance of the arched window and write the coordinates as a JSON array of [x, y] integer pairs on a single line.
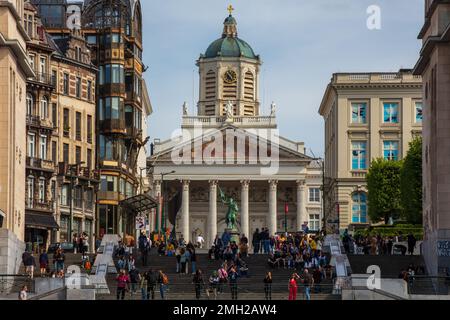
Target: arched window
[[44, 107], [30, 104], [359, 207]]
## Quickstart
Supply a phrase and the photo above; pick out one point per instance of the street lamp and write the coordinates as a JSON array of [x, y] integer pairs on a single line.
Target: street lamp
[[161, 197], [70, 167]]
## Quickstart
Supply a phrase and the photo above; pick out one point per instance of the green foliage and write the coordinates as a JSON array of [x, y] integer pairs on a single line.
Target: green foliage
[[411, 183], [383, 184], [392, 231]]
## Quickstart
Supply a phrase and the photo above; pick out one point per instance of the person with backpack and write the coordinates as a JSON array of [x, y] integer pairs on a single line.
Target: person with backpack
[[232, 276], [199, 283], [152, 279], [163, 282], [122, 284], [144, 248]]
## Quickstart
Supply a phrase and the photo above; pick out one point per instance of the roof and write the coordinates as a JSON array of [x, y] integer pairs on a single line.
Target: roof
[[139, 203], [230, 47]]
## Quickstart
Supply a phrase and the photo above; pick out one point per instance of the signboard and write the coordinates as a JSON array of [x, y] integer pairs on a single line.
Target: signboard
[[140, 222], [443, 248]]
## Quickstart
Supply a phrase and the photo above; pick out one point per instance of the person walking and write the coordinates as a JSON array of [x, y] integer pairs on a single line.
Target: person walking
[[199, 283], [59, 259], [143, 284], [268, 286], [223, 278], [143, 248], [411, 243], [214, 283], [163, 282], [193, 260], [232, 276], [122, 284], [293, 287], [152, 279], [134, 279], [308, 282], [43, 263], [183, 261]]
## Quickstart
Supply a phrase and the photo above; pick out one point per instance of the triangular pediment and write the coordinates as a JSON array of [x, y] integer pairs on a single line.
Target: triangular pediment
[[230, 142]]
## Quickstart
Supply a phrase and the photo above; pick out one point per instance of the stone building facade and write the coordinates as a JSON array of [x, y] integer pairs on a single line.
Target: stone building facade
[[14, 70], [367, 116], [434, 67]]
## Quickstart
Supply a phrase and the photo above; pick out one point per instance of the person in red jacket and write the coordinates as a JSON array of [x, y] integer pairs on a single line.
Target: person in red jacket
[[122, 284], [293, 287]]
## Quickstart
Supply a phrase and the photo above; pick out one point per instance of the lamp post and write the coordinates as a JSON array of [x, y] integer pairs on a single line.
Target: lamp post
[[286, 210], [70, 167], [162, 224]]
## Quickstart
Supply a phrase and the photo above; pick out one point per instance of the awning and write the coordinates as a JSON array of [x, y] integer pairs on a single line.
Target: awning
[[139, 203], [40, 221]]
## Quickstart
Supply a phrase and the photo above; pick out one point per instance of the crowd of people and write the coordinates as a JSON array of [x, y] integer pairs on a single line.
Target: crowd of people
[[379, 245]]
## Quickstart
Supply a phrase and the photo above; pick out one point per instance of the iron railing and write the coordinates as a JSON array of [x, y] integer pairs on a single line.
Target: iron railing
[[10, 284], [428, 285]]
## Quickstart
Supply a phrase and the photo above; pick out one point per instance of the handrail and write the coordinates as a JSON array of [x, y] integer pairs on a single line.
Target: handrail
[[46, 294]]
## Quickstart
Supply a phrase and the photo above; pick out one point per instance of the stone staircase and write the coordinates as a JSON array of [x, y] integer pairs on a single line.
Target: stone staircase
[[249, 288]]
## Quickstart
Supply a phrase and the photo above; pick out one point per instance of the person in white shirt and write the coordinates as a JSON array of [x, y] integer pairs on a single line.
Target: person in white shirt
[[200, 241], [23, 293]]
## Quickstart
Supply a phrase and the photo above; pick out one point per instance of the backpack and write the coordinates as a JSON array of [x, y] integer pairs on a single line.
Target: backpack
[[165, 279]]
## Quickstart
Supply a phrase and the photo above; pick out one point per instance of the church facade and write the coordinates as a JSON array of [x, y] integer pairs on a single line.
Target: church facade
[[230, 147]]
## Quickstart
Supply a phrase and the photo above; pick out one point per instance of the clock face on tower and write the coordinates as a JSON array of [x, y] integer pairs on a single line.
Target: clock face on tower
[[230, 77]]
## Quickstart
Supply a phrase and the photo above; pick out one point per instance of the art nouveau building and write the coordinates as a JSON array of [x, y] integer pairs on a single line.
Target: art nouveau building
[[367, 116], [264, 172]]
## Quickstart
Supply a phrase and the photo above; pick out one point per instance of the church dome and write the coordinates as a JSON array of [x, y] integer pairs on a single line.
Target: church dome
[[230, 45]]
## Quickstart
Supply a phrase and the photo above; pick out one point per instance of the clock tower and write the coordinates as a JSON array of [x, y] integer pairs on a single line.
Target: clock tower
[[229, 71]]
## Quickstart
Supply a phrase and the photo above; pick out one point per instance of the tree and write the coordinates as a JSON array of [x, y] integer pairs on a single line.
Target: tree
[[411, 183], [383, 184]]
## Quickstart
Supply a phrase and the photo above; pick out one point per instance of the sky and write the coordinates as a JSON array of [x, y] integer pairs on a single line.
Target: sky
[[301, 43]]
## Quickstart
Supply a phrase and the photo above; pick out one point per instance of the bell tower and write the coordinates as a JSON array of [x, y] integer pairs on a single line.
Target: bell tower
[[229, 71]]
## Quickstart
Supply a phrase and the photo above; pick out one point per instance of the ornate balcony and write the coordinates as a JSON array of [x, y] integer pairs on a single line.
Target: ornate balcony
[[37, 121], [244, 121], [44, 79], [38, 205], [40, 164], [82, 173]]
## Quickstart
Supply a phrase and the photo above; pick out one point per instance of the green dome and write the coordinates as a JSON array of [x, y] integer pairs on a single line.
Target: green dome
[[230, 47]]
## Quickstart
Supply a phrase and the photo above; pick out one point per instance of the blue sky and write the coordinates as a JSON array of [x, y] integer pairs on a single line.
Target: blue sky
[[301, 44]]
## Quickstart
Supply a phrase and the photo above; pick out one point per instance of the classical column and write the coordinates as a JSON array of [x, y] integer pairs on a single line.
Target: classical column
[[245, 229], [301, 204], [157, 195], [272, 206], [185, 214], [212, 218]]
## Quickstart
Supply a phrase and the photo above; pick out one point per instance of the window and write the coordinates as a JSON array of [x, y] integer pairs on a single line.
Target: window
[[31, 58], [89, 199], [78, 125], [66, 84], [359, 155], [44, 108], [78, 197], [314, 194], [108, 183], [78, 87], [42, 67], [30, 191], [138, 119], [66, 122], [112, 73], [418, 112], [359, 113], [41, 190], [390, 112], [111, 108], [89, 128], [105, 148], [54, 77], [89, 159], [54, 153], [91, 39], [390, 150], [30, 103], [77, 154], [89, 90], [359, 208], [43, 147], [55, 115], [31, 145], [65, 195], [66, 153], [314, 222]]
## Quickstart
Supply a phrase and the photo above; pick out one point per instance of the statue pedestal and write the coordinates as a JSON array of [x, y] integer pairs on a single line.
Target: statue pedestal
[[234, 234]]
